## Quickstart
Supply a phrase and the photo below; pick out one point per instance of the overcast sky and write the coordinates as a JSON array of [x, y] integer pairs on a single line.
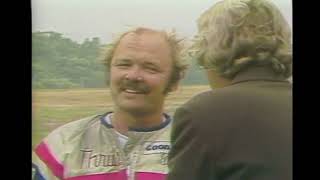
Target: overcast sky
[[80, 19]]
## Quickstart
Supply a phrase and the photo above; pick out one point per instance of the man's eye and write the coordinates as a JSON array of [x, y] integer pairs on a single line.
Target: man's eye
[[152, 69], [123, 65]]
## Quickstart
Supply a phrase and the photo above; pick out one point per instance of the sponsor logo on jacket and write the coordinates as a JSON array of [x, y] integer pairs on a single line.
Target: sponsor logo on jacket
[[158, 147], [90, 159]]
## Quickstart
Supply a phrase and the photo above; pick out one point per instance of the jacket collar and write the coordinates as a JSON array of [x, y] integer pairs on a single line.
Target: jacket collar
[[167, 121], [258, 73]]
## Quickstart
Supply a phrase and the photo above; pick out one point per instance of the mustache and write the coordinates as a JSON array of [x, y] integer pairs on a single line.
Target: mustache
[[134, 85]]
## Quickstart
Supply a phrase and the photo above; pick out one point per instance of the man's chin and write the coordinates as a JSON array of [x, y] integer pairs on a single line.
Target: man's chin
[[136, 109]]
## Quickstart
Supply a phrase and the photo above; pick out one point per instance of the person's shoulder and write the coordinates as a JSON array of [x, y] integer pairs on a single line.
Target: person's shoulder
[[194, 105], [213, 93], [204, 98], [66, 132], [199, 97], [63, 139], [80, 123], [215, 98]]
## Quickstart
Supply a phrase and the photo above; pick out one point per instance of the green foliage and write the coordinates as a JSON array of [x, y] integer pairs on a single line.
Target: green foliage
[[59, 62]]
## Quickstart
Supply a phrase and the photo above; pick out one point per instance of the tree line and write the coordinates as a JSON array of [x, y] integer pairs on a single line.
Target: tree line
[[60, 62]]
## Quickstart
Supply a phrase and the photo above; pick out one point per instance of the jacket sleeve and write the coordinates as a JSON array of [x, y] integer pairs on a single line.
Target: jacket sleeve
[[40, 170], [187, 157], [48, 155]]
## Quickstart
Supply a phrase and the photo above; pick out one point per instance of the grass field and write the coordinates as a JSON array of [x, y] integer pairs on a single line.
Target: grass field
[[53, 108]]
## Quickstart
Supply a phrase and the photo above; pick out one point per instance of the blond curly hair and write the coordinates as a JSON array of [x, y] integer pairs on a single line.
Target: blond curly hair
[[234, 34]]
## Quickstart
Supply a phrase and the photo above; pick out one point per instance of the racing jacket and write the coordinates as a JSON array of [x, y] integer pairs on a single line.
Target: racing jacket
[[89, 149]]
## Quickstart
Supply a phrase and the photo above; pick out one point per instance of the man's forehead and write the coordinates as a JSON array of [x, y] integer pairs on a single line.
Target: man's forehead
[[143, 39]]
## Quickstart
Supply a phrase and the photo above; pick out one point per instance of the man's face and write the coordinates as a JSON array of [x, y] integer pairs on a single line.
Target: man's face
[[140, 71]]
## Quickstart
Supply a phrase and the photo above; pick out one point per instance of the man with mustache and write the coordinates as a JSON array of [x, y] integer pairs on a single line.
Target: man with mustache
[[242, 129], [132, 142]]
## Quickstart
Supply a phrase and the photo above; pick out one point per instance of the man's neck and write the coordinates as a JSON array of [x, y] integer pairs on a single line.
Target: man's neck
[[121, 121]]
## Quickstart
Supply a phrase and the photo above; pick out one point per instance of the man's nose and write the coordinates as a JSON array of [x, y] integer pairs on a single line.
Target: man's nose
[[134, 74]]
